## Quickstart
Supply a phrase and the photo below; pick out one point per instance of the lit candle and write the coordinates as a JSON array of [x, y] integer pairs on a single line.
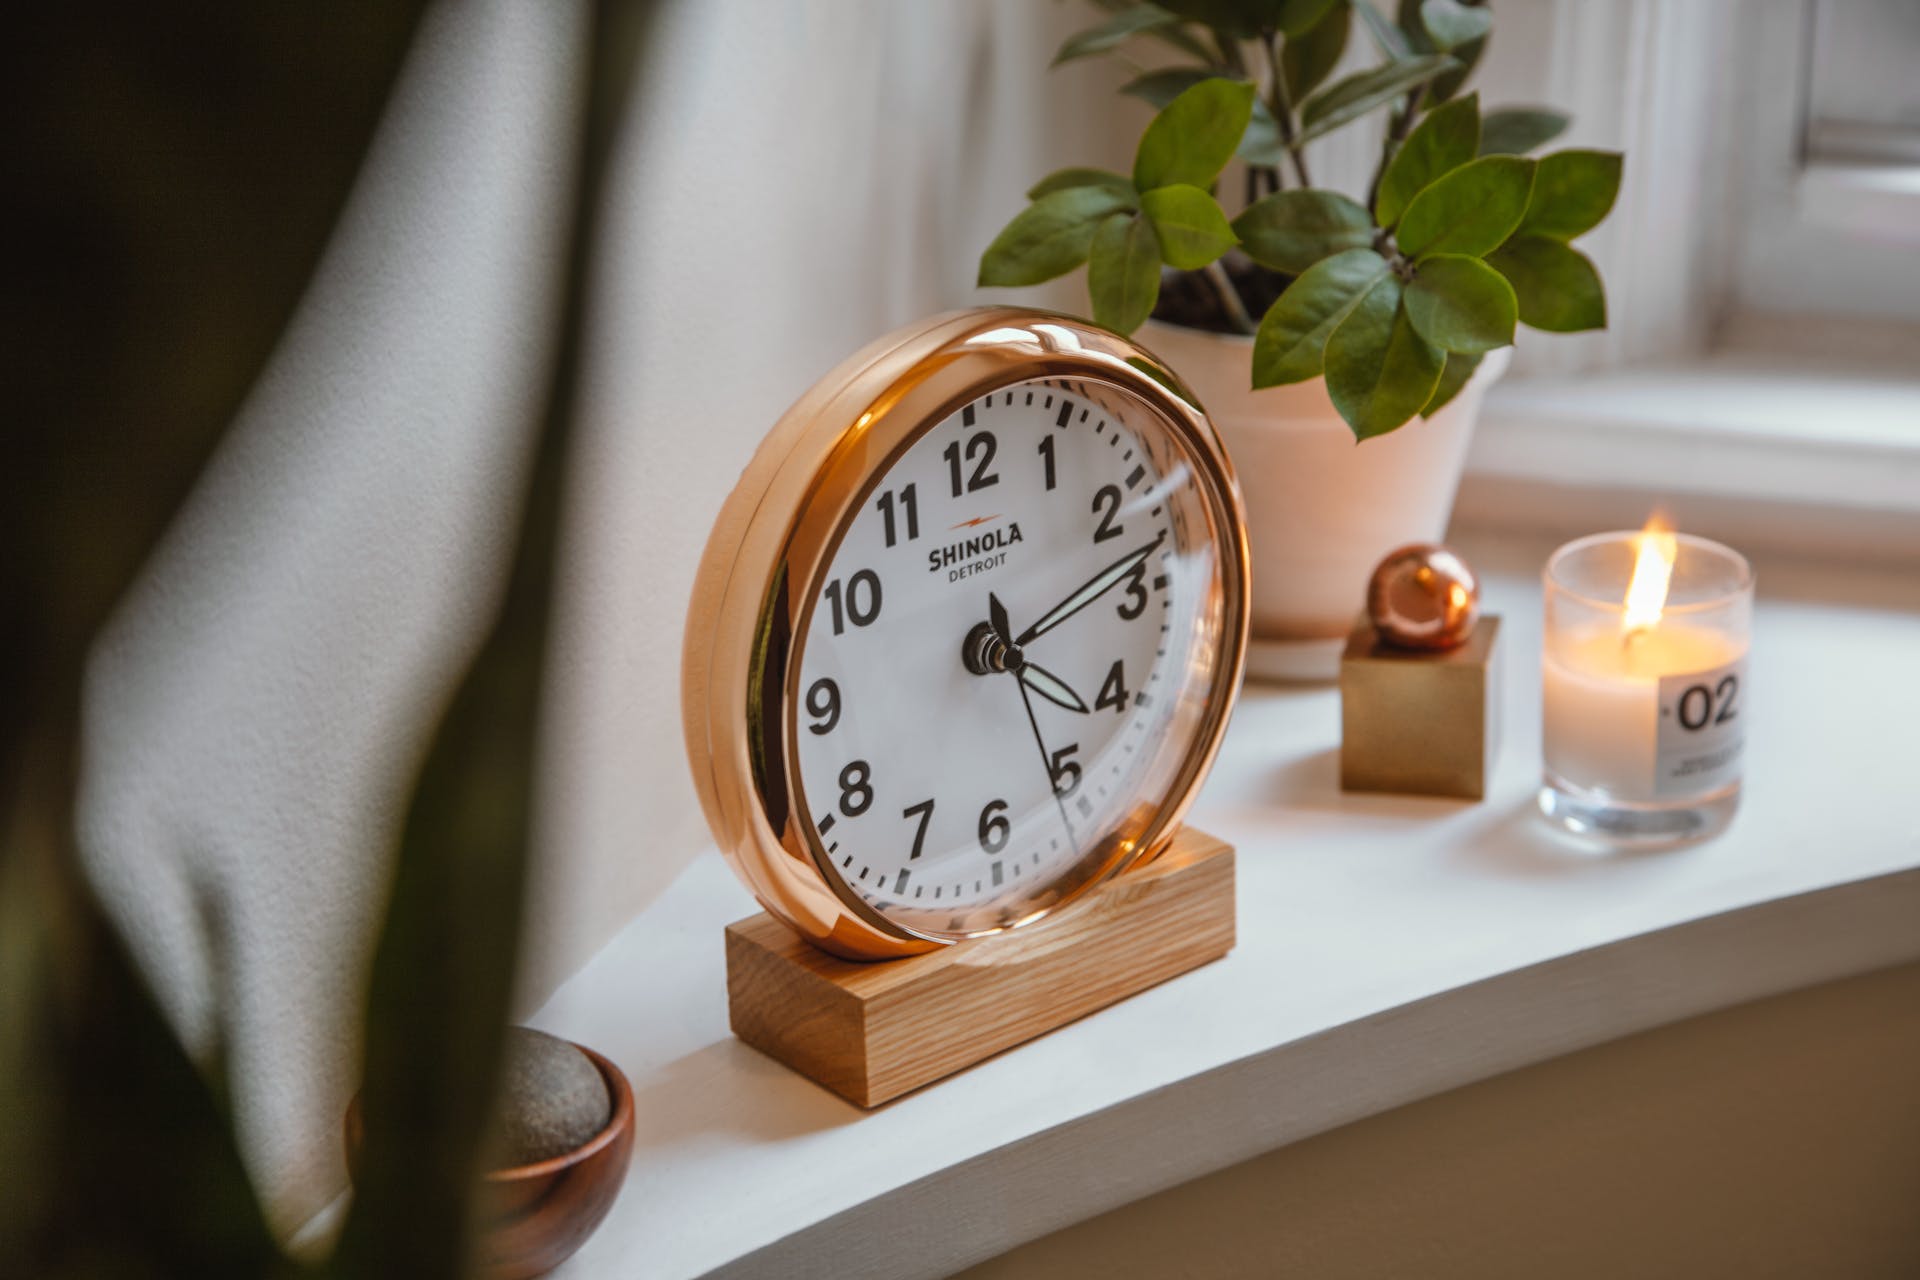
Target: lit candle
[[1644, 696]]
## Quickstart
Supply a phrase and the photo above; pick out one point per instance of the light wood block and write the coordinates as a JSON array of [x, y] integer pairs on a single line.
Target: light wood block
[[871, 1032]]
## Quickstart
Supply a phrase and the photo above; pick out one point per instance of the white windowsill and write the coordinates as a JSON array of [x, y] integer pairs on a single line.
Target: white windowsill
[[1390, 948], [1805, 441]]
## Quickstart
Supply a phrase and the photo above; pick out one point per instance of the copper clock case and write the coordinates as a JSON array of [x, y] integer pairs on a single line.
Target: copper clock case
[[775, 539]]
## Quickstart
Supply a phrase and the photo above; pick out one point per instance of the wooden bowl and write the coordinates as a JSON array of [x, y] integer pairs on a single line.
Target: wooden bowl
[[534, 1216]]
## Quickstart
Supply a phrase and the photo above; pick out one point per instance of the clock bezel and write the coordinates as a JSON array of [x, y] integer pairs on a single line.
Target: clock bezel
[[770, 550]]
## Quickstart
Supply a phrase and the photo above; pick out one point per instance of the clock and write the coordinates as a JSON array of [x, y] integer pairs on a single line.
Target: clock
[[966, 634]]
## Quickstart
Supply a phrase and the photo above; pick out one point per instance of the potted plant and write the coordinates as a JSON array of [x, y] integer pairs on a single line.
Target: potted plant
[[1308, 319]]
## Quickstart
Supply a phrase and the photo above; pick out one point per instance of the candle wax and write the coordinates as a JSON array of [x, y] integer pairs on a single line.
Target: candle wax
[[1602, 722]]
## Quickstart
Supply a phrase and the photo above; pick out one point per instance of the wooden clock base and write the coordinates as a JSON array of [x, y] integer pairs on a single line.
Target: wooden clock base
[[871, 1032]]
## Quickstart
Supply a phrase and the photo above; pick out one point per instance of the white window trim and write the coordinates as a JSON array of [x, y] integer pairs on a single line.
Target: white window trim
[[1771, 423]]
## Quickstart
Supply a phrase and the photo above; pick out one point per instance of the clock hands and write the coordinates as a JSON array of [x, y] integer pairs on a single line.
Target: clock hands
[[1051, 687], [1046, 763], [987, 650], [1095, 587]]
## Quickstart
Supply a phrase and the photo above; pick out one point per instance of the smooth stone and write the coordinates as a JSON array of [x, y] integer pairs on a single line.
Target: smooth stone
[[552, 1098]]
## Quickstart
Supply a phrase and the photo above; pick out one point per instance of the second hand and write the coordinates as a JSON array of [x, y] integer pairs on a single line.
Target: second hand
[[1026, 700]]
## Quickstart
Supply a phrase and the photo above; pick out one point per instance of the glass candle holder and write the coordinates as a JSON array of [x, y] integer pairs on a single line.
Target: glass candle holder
[[1645, 687]]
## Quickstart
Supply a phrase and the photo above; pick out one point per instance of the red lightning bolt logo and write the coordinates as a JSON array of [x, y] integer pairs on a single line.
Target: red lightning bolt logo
[[977, 520]]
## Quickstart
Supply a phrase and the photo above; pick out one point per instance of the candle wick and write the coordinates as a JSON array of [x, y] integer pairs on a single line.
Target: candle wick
[[1632, 634]]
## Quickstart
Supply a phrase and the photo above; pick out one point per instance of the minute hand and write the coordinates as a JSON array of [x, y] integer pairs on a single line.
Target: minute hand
[[1095, 587]]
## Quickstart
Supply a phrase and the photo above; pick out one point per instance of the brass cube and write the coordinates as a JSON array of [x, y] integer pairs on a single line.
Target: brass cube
[[1420, 723]]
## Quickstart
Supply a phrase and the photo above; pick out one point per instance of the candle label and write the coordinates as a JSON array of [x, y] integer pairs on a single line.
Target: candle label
[[1703, 731]]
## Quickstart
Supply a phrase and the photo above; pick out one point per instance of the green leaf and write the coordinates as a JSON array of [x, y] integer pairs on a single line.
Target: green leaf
[[1113, 33], [1461, 304], [1459, 368], [1448, 138], [1194, 137], [1066, 179], [1262, 144], [1557, 286], [1406, 17], [1123, 272], [1514, 131], [1293, 334], [1450, 24], [1296, 17], [1470, 210], [1291, 230], [1259, 145], [1243, 19], [1048, 238], [1307, 59], [1160, 88], [1572, 192], [1445, 86], [1389, 39], [1379, 371], [1192, 227], [1355, 95], [440, 993], [1426, 40]]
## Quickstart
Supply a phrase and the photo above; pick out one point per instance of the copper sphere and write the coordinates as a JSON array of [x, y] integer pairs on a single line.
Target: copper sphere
[[1423, 596]]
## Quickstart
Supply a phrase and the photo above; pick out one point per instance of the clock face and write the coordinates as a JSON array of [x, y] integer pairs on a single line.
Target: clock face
[[1007, 663]]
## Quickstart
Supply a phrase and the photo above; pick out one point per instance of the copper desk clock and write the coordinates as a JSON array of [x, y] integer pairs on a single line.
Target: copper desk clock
[[964, 640]]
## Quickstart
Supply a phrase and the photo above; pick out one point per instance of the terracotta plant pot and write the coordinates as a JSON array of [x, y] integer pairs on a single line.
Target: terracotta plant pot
[[1321, 509], [534, 1216]]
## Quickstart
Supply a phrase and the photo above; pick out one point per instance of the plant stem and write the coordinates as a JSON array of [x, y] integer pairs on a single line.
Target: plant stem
[[1229, 297], [1397, 133], [1282, 108]]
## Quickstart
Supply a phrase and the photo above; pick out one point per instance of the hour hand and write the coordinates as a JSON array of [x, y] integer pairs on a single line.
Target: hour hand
[[1089, 591], [1051, 687]]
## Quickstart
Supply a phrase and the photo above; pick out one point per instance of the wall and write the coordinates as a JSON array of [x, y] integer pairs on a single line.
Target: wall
[[794, 180]]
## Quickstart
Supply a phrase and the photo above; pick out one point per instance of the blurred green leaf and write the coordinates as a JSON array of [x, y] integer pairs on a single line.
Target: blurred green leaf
[[1293, 335], [438, 1002], [1380, 373], [1556, 285], [1307, 59], [1350, 98], [1450, 24], [1192, 139], [1238, 19], [1388, 38], [1291, 230], [1067, 179], [1121, 27], [176, 177], [1262, 144], [1459, 368], [1406, 18], [1470, 210], [1296, 17], [1160, 88], [1192, 228], [1572, 192], [1467, 51], [1050, 237], [1514, 131], [1461, 304], [1123, 272], [1448, 138]]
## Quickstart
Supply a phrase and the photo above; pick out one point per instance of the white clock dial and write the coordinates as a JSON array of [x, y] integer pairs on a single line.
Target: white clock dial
[[1000, 668]]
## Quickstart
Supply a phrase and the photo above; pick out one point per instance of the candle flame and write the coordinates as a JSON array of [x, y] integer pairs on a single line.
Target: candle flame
[[1656, 548]]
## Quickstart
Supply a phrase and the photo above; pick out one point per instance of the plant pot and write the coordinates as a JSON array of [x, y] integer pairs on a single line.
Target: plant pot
[[1321, 509], [532, 1217]]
